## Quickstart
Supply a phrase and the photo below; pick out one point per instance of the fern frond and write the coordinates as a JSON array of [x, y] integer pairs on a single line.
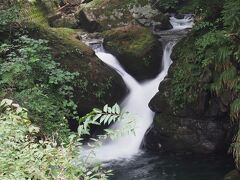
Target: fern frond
[[235, 148], [235, 110], [216, 87], [229, 77]]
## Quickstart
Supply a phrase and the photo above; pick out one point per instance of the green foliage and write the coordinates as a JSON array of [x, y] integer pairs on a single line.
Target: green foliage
[[235, 147], [184, 89], [8, 16], [25, 156], [29, 75], [107, 115], [231, 15], [203, 25], [235, 109], [166, 4]]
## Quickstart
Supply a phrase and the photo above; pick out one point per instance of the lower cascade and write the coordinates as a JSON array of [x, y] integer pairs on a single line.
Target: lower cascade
[[139, 96]]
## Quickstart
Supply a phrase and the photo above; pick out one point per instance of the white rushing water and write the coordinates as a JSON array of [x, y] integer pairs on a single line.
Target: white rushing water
[[186, 22], [137, 100]]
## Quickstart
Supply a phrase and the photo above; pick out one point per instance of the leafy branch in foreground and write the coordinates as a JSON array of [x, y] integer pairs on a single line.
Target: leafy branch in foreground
[[107, 116], [24, 155]]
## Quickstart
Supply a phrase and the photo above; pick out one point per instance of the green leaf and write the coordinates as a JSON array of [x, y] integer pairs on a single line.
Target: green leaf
[[6, 102], [107, 118], [105, 108], [102, 118], [109, 110], [117, 109], [97, 117], [97, 110]]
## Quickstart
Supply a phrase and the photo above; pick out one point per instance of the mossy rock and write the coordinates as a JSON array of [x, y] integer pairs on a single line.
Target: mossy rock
[[200, 125], [138, 51], [108, 13], [233, 175], [97, 83], [117, 13]]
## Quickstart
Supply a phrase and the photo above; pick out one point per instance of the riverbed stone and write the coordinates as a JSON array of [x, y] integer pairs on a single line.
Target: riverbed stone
[[138, 51]]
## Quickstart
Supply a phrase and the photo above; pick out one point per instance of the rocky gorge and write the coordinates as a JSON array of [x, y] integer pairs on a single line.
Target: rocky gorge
[[203, 125], [194, 111]]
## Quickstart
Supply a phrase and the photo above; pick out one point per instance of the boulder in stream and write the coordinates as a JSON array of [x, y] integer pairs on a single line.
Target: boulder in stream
[[138, 51]]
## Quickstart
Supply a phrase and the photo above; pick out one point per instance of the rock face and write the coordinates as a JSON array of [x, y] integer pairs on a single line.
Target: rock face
[[139, 52], [193, 129], [202, 126], [186, 134], [112, 14], [149, 17]]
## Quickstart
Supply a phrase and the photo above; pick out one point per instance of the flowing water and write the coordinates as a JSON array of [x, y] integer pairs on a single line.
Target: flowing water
[[137, 104], [138, 98], [123, 155]]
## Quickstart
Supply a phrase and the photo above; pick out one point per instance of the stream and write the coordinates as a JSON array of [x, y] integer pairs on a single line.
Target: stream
[[124, 155], [140, 94]]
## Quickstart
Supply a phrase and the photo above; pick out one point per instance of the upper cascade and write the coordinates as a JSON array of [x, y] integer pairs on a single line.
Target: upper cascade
[[180, 24]]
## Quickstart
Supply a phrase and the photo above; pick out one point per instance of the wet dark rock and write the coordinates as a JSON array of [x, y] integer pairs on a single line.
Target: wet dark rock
[[179, 16], [161, 22], [200, 127], [86, 22], [86, 1], [233, 175], [184, 134]]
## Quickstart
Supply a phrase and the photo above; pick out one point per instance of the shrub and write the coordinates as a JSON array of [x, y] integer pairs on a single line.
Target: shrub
[[29, 75], [25, 156]]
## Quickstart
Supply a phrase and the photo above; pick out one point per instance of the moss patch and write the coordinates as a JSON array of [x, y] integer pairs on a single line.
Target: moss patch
[[131, 40], [137, 50]]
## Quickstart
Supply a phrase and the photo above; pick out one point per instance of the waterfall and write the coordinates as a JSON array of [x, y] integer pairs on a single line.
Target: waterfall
[[138, 98]]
